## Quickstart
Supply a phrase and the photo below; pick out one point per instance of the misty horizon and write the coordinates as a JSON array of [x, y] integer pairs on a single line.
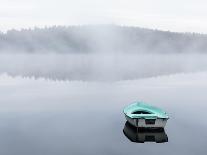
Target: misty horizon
[[101, 39]]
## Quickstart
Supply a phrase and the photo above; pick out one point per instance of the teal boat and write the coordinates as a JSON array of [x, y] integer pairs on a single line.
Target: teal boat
[[140, 114]]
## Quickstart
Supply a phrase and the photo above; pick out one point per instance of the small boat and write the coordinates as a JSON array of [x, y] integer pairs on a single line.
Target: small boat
[[142, 135], [142, 115]]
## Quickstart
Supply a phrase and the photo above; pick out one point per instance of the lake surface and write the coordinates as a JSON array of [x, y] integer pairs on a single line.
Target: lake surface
[[46, 117]]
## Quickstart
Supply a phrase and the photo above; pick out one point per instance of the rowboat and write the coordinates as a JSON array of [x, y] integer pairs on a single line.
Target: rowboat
[[140, 114]]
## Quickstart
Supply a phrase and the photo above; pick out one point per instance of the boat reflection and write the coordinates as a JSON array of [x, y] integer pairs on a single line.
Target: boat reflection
[[141, 135]]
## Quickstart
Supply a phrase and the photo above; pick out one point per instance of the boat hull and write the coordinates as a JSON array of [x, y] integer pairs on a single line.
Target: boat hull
[[146, 123]]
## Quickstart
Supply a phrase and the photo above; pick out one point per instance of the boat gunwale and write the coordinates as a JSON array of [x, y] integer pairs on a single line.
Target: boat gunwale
[[155, 112]]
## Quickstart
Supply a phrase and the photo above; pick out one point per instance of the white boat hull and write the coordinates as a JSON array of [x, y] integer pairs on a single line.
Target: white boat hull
[[143, 123]]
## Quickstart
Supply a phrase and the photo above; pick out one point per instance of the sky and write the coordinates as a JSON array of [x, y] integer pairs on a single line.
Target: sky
[[174, 15]]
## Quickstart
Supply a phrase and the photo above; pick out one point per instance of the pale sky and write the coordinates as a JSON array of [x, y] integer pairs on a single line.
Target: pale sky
[[173, 15]]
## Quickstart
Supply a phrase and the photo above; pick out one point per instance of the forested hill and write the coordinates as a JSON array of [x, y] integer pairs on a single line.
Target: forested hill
[[105, 38]]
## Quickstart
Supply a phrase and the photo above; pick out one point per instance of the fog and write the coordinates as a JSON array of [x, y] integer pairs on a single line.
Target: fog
[[63, 92], [100, 39], [100, 67], [100, 53]]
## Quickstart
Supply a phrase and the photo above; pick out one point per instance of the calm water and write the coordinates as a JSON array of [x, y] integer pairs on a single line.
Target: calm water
[[84, 119], [96, 131]]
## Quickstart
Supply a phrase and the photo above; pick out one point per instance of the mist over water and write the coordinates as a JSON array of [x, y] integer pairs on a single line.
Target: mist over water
[[94, 75], [100, 53], [100, 67]]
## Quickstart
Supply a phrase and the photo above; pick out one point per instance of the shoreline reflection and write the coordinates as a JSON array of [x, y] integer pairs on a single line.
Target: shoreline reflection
[[141, 135]]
